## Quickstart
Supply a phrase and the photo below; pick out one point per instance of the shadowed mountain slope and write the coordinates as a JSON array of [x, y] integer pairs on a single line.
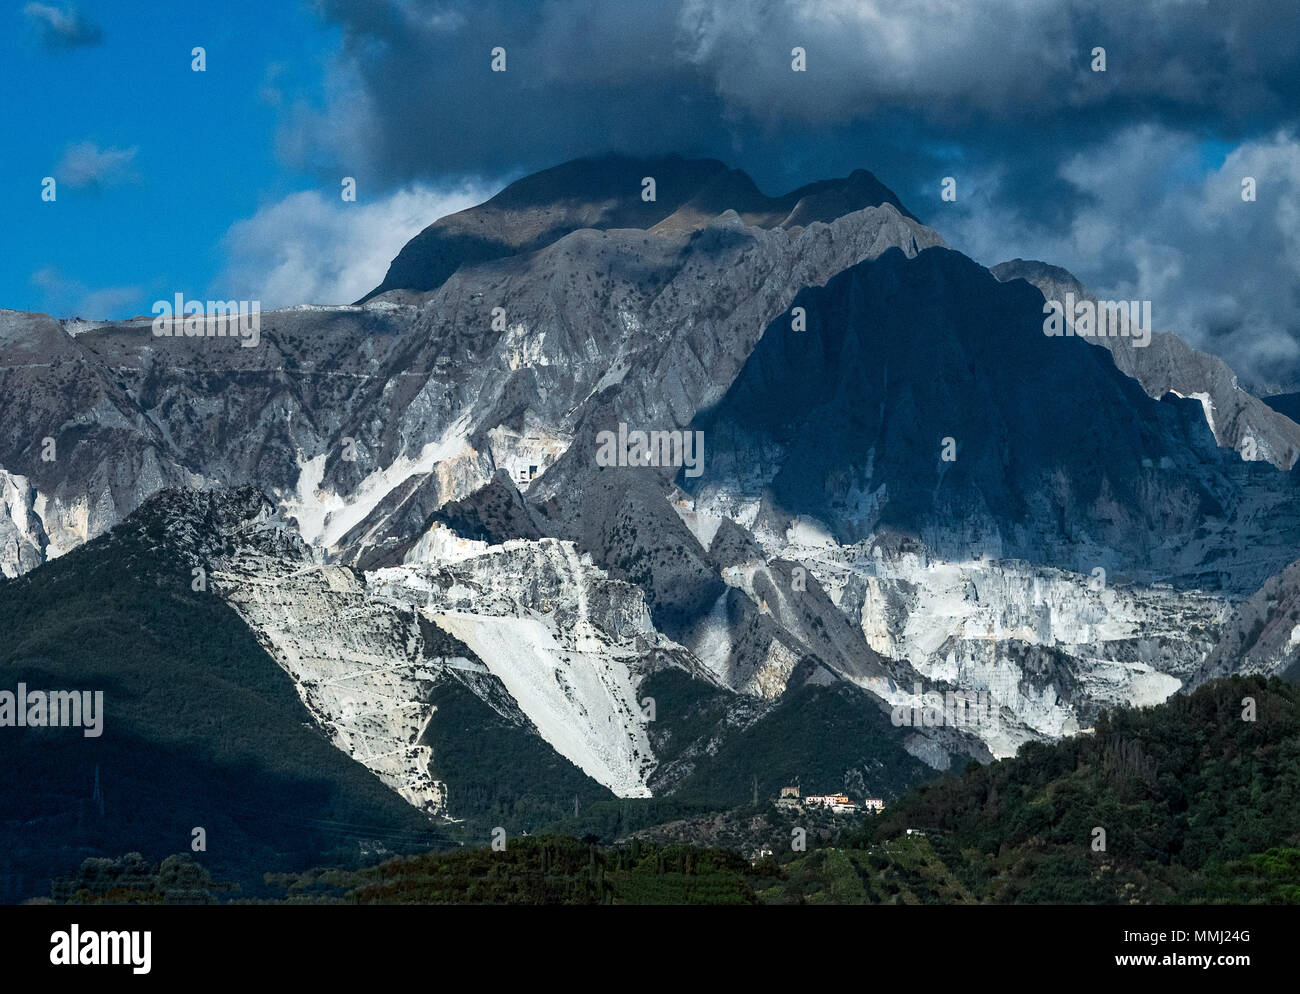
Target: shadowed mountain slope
[[604, 193]]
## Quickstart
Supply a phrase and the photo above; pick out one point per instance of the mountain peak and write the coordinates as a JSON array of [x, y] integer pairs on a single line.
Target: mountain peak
[[607, 192]]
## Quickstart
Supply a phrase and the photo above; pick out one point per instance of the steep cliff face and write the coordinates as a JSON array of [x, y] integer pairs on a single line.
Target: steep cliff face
[[361, 421], [1240, 421], [555, 646], [924, 400], [1262, 635], [1044, 648], [24, 544], [1052, 647]]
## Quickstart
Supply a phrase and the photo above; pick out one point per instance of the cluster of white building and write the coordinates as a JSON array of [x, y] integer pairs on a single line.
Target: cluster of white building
[[840, 804]]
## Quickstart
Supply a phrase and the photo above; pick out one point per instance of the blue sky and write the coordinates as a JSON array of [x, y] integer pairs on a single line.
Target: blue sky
[[204, 145]]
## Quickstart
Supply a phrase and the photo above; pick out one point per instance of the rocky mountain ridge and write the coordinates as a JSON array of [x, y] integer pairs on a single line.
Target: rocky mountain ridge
[[904, 484]]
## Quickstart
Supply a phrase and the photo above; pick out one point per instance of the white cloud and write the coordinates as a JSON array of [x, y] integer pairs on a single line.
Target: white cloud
[[62, 28], [1154, 222], [85, 164], [63, 297], [313, 249], [270, 92], [863, 55]]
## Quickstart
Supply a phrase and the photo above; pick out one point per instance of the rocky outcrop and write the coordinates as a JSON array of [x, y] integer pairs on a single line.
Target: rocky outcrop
[[1240, 421], [1262, 635]]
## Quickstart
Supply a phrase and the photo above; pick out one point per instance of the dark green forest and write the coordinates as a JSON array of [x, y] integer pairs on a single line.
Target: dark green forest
[[1198, 805]]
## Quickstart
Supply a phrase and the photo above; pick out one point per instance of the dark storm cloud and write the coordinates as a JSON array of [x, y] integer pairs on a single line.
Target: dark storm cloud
[[999, 95], [415, 93], [416, 97]]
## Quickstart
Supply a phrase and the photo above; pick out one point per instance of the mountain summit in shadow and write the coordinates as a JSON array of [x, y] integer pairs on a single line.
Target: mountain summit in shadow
[[604, 193]]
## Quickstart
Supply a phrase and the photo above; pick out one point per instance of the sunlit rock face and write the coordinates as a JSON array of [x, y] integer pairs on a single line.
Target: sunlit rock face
[[547, 636]]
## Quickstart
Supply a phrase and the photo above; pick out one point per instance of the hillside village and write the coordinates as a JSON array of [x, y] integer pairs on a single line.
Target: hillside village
[[840, 804]]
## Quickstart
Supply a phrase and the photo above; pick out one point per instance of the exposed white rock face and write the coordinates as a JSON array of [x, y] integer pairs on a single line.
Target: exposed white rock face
[[441, 544], [526, 454], [361, 668], [23, 541], [568, 643], [760, 629], [35, 527], [360, 422], [1051, 647], [325, 517], [761, 669], [357, 662], [582, 703]]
